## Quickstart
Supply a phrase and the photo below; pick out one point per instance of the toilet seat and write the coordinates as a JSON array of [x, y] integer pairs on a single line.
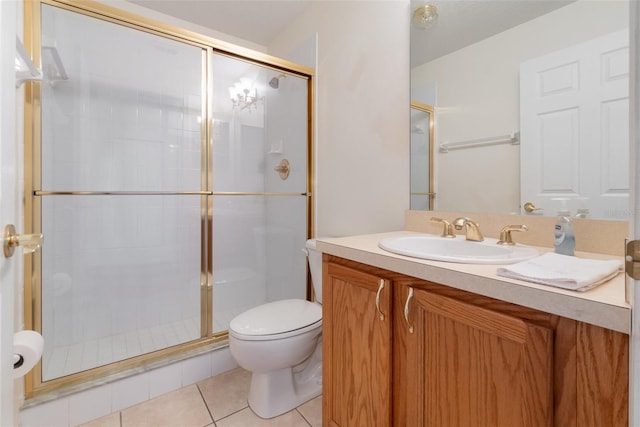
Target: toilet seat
[[276, 320]]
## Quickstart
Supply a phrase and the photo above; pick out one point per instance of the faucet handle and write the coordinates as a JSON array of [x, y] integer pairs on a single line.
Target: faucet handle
[[505, 234], [447, 231]]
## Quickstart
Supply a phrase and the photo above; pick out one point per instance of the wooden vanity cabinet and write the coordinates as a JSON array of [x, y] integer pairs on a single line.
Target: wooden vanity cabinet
[[465, 365], [356, 352], [460, 359]]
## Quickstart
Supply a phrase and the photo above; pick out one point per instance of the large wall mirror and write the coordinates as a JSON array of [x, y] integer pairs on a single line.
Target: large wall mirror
[[530, 105]]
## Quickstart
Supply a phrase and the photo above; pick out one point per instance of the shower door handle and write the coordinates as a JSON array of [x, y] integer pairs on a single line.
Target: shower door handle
[[30, 242]]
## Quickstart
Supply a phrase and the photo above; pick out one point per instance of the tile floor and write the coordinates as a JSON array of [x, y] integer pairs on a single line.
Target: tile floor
[[219, 401]]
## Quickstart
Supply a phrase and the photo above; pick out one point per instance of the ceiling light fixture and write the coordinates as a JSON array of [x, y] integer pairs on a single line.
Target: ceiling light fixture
[[244, 94], [425, 16]]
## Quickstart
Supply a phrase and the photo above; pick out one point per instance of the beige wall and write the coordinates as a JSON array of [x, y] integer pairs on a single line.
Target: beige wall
[[478, 96], [362, 116]]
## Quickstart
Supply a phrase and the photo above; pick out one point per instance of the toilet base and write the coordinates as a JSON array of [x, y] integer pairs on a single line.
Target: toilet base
[[274, 393]]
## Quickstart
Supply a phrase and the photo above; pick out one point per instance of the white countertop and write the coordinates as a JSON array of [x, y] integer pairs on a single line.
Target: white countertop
[[603, 306]]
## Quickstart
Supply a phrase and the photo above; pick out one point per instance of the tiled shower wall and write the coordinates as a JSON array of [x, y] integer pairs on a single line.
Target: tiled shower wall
[[120, 273]]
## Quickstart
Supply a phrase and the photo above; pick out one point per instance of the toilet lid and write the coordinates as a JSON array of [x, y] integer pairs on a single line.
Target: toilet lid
[[276, 317]]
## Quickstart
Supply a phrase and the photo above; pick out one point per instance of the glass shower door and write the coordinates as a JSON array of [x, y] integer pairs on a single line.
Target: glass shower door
[[260, 186], [121, 192], [421, 174]]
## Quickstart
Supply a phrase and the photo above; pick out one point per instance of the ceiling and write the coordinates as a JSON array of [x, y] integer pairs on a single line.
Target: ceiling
[[257, 21], [460, 22]]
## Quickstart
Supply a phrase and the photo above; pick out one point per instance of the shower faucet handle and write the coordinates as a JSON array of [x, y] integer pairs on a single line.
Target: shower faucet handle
[[283, 169]]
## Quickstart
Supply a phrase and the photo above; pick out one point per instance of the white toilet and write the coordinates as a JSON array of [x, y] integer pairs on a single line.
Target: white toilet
[[280, 343]]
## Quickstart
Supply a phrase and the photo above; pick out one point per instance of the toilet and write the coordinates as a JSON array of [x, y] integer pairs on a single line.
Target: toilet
[[280, 343]]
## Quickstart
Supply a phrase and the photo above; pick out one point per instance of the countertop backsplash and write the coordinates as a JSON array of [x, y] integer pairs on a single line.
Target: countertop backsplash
[[592, 235]]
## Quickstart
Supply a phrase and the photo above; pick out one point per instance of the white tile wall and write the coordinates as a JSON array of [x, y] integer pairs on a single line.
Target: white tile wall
[[198, 369], [51, 414], [129, 391], [102, 400], [165, 379], [85, 406]]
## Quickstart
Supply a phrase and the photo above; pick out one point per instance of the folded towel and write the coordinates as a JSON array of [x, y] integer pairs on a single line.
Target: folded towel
[[563, 271]]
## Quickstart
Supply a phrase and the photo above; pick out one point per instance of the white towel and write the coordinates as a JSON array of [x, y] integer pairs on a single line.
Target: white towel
[[563, 271]]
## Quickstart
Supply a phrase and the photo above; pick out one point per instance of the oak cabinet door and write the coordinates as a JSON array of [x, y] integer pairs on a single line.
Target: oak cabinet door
[[356, 348], [465, 365]]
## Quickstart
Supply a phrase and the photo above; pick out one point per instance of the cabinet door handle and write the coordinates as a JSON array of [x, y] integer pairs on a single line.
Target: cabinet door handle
[[406, 310], [380, 288]]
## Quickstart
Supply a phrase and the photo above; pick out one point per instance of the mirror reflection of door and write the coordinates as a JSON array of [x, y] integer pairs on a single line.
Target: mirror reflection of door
[[574, 122], [422, 185]]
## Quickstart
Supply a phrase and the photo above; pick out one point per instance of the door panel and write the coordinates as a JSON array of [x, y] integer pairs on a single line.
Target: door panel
[[633, 289], [11, 273], [574, 128]]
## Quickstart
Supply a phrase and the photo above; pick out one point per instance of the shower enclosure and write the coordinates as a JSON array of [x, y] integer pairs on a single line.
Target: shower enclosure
[[170, 180]]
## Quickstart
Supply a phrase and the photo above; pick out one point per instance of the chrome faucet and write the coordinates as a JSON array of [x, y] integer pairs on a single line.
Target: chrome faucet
[[471, 228]]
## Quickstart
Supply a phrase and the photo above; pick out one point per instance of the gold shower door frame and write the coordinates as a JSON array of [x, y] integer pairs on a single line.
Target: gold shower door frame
[[35, 388], [431, 195]]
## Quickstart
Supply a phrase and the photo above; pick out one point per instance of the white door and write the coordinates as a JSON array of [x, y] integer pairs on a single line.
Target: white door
[[574, 128], [10, 268], [634, 222]]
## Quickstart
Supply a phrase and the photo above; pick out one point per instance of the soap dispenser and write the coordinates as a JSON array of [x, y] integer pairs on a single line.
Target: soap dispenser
[[564, 238]]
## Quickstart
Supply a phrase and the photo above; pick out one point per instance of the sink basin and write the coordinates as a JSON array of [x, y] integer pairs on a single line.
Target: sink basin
[[458, 250]]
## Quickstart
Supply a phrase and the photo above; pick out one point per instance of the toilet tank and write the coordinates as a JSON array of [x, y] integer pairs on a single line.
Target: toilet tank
[[315, 266]]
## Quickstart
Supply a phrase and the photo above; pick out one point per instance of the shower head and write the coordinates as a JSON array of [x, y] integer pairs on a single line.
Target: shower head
[[275, 82]]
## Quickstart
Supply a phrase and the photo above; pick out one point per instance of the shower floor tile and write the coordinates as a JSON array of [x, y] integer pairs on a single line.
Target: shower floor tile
[[65, 360], [220, 401], [68, 359]]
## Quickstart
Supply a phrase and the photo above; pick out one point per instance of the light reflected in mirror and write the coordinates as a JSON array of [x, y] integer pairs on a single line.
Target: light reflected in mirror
[[421, 156], [491, 88]]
